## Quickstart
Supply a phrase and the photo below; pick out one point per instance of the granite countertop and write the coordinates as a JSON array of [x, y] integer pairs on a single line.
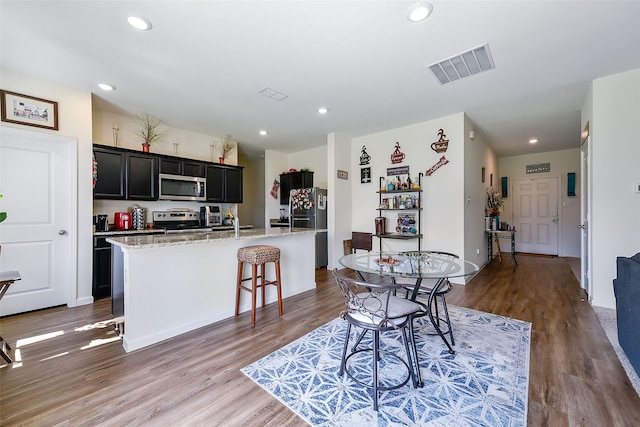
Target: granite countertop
[[163, 240], [214, 228]]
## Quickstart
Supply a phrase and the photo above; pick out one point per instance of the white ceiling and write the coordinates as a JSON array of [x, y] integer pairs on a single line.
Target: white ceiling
[[202, 65]]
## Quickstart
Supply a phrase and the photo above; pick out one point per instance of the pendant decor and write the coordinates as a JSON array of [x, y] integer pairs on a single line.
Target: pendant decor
[[364, 157], [437, 166], [145, 147], [442, 144], [397, 156]]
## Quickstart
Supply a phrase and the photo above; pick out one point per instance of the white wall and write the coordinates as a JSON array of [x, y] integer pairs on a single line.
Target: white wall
[[443, 196], [339, 196], [314, 160], [191, 145], [477, 155], [74, 117], [251, 210], [562, 162], [614, 228]]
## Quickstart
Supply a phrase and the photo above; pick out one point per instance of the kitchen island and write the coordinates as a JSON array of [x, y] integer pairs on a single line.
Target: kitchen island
[[174, 283]]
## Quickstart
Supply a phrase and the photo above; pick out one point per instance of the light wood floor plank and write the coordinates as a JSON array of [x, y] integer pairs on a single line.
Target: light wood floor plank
[[195, 379]]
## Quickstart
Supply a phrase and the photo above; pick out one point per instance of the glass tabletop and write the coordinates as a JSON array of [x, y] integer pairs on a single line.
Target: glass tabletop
[[414, 264]]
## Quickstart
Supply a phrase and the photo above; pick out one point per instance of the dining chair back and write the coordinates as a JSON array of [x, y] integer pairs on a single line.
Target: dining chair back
[[374, 308], [436, 290], [363, 241]]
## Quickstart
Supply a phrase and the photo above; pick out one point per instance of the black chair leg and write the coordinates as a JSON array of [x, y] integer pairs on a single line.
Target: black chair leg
[[414, 348], [344, 350], [376, 343], [447, 319]]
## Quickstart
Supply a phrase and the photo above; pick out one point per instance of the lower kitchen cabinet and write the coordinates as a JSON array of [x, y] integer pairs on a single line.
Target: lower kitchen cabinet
[[101, 268]]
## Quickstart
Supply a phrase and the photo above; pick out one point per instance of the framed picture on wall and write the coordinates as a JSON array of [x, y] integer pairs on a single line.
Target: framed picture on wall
[[29, 110]]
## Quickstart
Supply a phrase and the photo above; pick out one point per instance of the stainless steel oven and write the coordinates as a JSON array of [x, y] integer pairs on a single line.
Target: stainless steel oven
[[178, 187]]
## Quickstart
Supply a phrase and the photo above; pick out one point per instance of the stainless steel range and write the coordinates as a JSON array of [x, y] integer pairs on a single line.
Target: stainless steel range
[[177, 220]]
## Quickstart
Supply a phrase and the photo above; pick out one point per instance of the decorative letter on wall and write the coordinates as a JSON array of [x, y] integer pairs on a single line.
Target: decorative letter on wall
[[571, 184]]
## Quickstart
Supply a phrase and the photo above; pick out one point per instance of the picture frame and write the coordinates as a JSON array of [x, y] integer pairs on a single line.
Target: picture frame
[[28, 110]]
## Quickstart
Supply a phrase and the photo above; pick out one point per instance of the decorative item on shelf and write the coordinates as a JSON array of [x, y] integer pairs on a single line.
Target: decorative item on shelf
[[227, 145], [150, 129], [115, 130], [494, 202], [176, 144]]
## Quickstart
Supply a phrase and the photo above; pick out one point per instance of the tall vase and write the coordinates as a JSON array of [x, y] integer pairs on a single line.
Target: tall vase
[[145, 147], [221, 160]]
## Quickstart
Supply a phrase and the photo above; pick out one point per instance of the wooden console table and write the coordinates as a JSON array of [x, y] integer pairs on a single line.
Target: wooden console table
[[495, 235]]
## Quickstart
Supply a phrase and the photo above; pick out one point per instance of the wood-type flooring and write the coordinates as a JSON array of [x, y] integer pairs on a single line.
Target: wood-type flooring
[[72, 370]]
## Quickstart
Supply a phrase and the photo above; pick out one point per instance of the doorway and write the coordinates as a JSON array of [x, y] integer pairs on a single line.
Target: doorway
[[38, 183], [585, 214], [535, 215]]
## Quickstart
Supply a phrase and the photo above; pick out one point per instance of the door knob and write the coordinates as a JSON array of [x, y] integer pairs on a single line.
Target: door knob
[[62, 232], [581, 226]]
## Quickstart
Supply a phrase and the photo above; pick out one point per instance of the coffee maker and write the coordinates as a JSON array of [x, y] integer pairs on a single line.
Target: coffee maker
[[210, 216]]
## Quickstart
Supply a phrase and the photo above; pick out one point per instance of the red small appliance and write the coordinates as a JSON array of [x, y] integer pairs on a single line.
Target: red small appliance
[[122, 220]]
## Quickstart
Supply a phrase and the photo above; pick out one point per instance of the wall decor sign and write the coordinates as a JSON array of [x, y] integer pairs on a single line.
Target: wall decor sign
[[28, 110], [397, 156], [399, 170], [437, 166], [442, 144], [365, 175], [538, 168], [364, 157], [343, 174]]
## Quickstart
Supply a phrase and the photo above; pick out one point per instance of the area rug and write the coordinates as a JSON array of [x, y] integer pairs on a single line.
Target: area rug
[[485, 383]]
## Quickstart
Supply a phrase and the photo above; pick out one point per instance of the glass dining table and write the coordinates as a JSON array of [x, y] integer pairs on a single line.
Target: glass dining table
[[412, 267]]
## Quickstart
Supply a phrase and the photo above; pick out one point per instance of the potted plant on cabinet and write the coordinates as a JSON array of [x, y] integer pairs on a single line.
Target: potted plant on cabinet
[[227, 145], [150, 129]]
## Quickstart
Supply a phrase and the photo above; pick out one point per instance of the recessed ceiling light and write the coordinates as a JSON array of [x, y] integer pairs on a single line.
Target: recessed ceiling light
[[139, 23], [533, 140], [419, 11], [263, 132], [323, 110], [105, 86]]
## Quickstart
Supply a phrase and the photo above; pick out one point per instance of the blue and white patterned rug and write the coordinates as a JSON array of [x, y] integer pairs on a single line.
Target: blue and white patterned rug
[[485, 383]]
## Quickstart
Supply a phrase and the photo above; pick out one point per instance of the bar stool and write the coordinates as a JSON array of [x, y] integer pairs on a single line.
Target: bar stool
[[6, 279], [258, 255]]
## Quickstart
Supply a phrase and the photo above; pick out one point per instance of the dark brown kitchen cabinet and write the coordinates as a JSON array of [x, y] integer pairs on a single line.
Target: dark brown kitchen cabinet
[[110, 181], [177, 166], [293, 181], [101, 268], [224, 184], [142, 176]]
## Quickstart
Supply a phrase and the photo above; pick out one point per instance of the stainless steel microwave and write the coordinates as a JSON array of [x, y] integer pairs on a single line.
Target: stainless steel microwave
[[178, 187]]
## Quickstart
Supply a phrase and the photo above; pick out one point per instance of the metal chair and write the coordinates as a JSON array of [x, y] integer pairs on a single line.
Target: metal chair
[[373, 307], [6, 279], [436, 297]]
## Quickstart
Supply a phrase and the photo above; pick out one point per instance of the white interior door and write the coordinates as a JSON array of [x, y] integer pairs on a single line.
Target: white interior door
[[535, 215], [37, 171], [584, 215]]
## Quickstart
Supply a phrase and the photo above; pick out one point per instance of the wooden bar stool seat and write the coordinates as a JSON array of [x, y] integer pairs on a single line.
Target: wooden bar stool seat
[[258, 255]]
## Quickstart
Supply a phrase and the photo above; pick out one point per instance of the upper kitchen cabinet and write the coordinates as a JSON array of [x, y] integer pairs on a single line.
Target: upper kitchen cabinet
[[110, 181], [293, 181], [124, 174], [224, 184], [142, 176], [177, 166]]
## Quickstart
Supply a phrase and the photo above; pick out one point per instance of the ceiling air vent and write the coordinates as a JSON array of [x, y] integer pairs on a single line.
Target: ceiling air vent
[[463, 65], [273, 94]]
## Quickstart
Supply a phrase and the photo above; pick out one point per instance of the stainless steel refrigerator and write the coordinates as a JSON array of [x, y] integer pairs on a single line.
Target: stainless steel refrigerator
[[308, 207]]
